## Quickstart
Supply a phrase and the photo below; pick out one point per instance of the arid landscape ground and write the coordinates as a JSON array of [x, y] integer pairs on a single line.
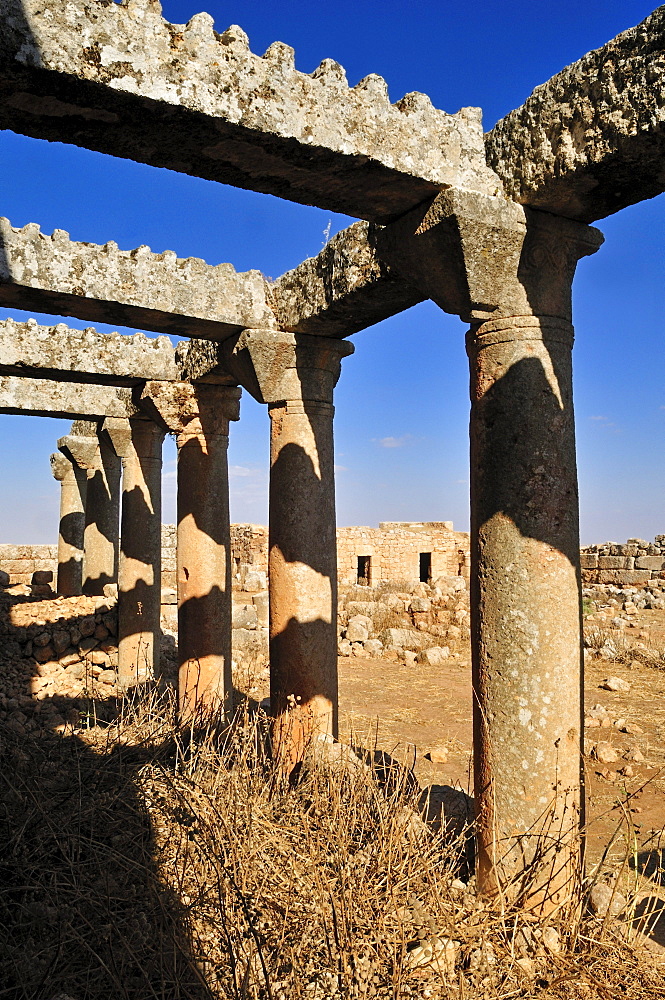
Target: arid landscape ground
[[115, 831]]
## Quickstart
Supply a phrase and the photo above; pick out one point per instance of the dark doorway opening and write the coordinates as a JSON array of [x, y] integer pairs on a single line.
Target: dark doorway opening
[[364, 570], [425, 567]]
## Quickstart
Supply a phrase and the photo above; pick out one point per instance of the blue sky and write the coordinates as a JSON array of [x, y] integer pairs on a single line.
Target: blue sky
[[402, 401]]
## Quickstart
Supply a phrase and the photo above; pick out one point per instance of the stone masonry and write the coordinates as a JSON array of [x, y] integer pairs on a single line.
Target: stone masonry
[[491, 228]]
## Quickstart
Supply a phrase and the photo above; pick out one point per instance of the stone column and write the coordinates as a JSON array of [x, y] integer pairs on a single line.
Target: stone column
[[73, 482], [199, 416], [138, 443], [509, 271], [100, 539], [527, 653], [295, 374]]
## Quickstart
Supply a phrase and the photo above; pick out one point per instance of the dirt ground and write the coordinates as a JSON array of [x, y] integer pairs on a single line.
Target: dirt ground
[[416, 712]]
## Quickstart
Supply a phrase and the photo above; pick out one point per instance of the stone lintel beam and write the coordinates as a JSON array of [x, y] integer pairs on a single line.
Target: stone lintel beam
[[155, 291], [120, 79], [483, 258], [65, 354], [46, 398], [342, 290], [591, 140]]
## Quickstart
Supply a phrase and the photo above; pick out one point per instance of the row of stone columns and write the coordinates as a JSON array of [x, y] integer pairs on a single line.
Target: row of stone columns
[[515, 274]]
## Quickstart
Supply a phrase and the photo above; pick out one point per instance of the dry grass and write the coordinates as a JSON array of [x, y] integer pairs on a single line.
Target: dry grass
[[144, 861]]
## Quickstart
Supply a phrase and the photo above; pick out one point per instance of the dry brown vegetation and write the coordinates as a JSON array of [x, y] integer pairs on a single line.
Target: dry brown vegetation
[[142, 860]]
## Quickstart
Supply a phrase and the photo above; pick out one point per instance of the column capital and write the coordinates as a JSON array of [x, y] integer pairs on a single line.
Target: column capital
[[275, 366], [192, 410], [128, 437], [83, 449], [61, 465], [486, 257]]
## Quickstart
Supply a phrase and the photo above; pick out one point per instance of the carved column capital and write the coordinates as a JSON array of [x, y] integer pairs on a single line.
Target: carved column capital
[[485, 257], [189, 410], [61, 466], [275, 366], [142, 437]]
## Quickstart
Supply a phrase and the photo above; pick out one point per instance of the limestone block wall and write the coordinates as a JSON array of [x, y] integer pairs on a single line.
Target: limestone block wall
[[395, 549], [21, 561], [628, 564], [249, 557]]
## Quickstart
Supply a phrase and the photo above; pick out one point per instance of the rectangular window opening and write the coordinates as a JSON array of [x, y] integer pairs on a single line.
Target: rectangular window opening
[[364, 570], [425, 567]]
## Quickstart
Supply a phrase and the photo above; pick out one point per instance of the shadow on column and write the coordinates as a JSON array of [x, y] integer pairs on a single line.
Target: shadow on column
[[551, 498], [304, 673], [139, 609]]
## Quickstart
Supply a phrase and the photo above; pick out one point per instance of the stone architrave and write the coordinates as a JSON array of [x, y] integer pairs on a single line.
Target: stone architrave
[[100, 540], [295, 374], [138, 443], [71, 531], [199, 416], [515, 269]]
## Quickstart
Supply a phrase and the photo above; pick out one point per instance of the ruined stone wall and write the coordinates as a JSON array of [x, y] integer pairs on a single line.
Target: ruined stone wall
[[629, 564], [19, 562], [395, 548]]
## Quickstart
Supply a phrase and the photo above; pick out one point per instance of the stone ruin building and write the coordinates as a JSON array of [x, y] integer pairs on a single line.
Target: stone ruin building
[[490, 227]]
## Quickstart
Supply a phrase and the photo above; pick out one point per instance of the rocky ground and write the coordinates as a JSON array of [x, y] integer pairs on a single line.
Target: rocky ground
[[57, 670]]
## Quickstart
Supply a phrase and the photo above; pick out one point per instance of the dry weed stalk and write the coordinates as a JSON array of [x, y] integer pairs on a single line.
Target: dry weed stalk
[[142, 860]]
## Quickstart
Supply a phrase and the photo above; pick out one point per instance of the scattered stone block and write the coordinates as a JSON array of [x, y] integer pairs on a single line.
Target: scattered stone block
[[615, 684], [605, 752], [435, 656], [606, 900]]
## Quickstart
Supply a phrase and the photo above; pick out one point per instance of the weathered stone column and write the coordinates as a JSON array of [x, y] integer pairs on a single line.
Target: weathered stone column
[[515, 269], [138, 443], [295, 374], [73, 482], [102, 508], [199, 416]]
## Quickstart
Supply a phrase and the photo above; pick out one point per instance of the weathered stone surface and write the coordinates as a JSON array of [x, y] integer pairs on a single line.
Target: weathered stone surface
[[159, 292], [483, 257], [615, 562], [46, 398], [650, 562], [55, 352], [606, 899], [615, 684], [591, 140], [343, 289], [245, 616], [274, 366], [623, 577], [435, 656], [405, 638], [120, 79]]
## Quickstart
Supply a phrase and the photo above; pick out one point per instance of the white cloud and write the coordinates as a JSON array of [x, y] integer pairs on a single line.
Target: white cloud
[[396, 442], [242, 472], [341, 468]]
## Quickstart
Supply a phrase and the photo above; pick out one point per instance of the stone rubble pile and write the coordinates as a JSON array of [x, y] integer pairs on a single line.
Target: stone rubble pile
[[55, 655], [424, 626]]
